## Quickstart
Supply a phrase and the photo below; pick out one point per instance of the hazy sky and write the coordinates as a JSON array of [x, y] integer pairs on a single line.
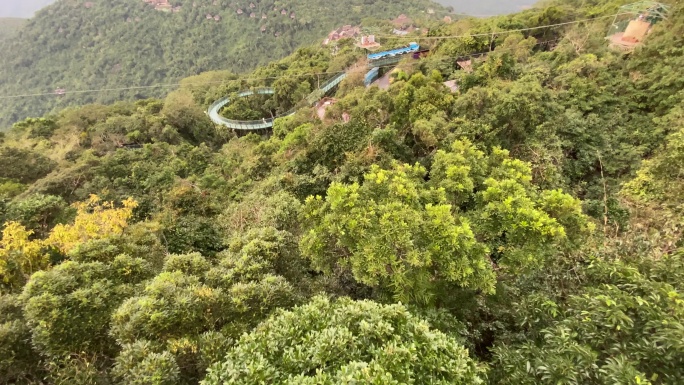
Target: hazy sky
[[21, 8], [486, 7], [26, 8]]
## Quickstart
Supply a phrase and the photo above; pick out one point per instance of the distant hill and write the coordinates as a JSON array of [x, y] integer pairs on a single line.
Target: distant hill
[[9, 26], [99, 44], [21, 8]]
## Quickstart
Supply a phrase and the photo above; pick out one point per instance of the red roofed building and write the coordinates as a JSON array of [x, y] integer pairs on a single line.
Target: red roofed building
[[402, 21], [346, 31]]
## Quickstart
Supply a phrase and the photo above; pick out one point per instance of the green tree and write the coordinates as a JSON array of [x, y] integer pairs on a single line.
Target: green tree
[[408, 236], [68, 308], [19, 363], [660, 182], [519, 223], [140, 364], [23, 166], [182, 113], [37, 212], [194, 309], [344, 341], [36, 127], [626, 326], [394, 233]]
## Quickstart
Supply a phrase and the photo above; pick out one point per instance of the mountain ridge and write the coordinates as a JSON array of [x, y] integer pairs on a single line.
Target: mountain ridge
[[104, 44]]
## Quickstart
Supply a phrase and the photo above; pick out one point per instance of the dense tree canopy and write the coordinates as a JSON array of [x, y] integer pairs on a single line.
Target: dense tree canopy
[[520, 224], [624, 327], [345, 342]]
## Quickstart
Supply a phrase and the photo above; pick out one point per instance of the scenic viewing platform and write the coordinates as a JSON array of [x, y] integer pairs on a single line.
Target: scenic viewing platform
[[266, 122]]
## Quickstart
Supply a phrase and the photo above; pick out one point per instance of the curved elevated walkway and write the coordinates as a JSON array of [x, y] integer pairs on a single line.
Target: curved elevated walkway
[[255, 125]]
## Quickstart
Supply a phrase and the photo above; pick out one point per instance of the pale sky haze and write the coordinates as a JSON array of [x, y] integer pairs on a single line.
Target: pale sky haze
[[26, 8], [21, 8]]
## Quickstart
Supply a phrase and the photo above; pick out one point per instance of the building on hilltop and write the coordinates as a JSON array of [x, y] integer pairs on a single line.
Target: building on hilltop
[[402, 22], [403, 25], [368, 42], [346, 31], [465, 64]]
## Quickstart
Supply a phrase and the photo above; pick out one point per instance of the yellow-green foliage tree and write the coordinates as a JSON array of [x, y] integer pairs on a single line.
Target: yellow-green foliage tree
[[19, 256], [95, 220]]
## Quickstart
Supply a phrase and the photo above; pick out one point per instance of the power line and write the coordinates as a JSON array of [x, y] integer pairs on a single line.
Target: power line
[[500, 32], [171, 85], [168, 85], [472, 55], [196, 84]]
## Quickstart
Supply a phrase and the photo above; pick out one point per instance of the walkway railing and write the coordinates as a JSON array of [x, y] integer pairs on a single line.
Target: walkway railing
[[253, 125]]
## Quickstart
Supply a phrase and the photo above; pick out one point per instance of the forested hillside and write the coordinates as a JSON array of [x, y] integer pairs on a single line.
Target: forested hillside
[[105, 44], [525, 228]]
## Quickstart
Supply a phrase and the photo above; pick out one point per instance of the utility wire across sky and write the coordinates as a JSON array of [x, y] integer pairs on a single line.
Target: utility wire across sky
[[308, 74]]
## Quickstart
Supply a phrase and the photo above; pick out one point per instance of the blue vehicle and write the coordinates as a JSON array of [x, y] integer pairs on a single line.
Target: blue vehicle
[[412, 47], [371, 76]]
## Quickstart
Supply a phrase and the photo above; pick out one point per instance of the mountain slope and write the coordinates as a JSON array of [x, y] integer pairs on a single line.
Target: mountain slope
[[115, 43]]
